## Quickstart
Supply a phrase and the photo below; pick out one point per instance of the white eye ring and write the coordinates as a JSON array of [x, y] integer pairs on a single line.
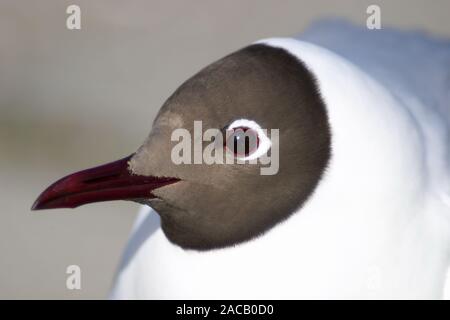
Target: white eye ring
[[264, 141]]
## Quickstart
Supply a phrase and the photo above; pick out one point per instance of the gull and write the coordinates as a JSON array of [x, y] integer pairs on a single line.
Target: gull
[[359, 207]]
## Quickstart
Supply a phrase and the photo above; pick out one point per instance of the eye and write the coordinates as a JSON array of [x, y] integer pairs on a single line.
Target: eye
[[246, 140], [242, 141]]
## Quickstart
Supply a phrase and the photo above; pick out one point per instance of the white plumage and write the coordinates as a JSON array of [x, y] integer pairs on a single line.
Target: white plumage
[[378, 224]]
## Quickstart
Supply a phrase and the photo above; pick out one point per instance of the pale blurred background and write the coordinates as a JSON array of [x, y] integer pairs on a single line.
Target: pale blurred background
[[74, 99]]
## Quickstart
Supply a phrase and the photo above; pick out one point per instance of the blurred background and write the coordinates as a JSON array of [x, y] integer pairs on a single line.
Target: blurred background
[[71, 99]]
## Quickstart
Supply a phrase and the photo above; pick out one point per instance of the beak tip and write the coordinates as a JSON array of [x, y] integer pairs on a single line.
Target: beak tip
[[41, 204], [38, 205]]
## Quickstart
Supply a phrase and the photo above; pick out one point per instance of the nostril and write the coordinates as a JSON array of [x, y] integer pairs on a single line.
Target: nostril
[[102, 179]]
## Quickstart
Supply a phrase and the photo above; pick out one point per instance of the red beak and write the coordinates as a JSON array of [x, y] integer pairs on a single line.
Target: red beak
[[111, 181]]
